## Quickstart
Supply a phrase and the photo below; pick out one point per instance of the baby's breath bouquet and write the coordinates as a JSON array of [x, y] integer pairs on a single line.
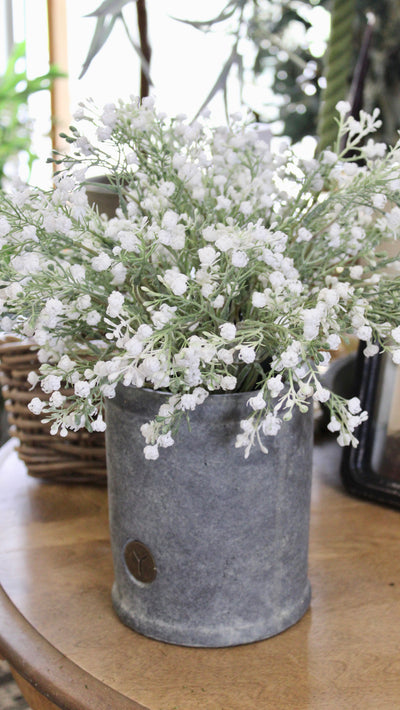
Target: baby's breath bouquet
[[229, 266]]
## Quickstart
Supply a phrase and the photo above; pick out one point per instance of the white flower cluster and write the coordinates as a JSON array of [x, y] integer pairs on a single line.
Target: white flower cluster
[[227, 267]]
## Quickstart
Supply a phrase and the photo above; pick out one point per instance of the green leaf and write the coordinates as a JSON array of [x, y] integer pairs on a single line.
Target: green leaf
[[289, 15], [107, 14], [145, 66], [225, 14], [220, 84], [109, 7], [101, 34], [15, 89]]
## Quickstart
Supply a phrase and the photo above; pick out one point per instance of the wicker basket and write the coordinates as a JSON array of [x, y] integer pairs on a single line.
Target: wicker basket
[[78, 458]]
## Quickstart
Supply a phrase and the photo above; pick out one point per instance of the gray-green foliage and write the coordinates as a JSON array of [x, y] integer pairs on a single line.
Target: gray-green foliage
[[230, 266]]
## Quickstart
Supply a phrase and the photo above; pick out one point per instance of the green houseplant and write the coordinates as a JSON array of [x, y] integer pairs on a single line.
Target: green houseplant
[[231, 270]]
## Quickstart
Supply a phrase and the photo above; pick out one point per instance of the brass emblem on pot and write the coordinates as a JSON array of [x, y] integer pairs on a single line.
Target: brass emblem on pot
[[140, 562]]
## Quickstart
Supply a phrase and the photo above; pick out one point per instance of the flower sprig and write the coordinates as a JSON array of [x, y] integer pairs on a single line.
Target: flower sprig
[[229, 266]]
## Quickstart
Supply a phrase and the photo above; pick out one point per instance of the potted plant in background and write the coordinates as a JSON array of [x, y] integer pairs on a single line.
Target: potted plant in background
[[199, 318], [99, 189]]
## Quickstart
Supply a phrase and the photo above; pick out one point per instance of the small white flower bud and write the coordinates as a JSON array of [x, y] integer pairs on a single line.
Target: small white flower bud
[[228, 331], [151, 452], [36, 405]]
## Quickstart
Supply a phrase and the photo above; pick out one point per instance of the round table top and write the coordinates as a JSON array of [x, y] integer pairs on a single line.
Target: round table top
[[59, 631]]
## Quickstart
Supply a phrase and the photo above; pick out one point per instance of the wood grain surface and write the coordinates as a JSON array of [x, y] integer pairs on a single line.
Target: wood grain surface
[[56, 569]]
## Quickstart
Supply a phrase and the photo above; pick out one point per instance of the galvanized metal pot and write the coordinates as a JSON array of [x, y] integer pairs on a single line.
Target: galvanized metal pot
[[209, 549]]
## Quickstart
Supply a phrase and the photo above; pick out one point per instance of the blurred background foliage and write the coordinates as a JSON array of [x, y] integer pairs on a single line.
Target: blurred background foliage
[[15, 122], [277, 35], [285, 50], [279, 31], [382, 84]]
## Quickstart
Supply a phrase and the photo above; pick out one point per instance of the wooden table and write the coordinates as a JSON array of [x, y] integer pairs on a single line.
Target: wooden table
[[61, 636]]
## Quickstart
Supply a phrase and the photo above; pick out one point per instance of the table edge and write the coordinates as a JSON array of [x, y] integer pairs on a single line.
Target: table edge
[[49, 671]]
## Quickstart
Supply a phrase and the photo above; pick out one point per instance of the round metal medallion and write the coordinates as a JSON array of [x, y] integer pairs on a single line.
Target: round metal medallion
[[140, 562]]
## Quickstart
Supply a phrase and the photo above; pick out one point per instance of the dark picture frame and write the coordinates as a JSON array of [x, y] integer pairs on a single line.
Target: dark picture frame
[[372, 470]]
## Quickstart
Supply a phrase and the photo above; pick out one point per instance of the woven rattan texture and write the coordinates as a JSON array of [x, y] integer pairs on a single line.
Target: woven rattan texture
[[78, 458]]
